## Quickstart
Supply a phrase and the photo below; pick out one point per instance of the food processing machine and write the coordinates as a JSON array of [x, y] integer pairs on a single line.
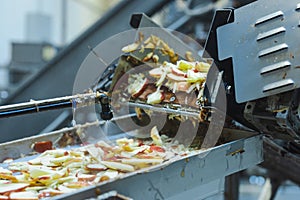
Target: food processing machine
[[259, 66]]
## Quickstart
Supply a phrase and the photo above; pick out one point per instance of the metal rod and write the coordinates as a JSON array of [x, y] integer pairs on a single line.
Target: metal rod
[[33, 106]]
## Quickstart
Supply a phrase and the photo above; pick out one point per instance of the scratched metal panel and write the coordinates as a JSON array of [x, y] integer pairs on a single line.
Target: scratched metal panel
[[194, 176], [263, 42]]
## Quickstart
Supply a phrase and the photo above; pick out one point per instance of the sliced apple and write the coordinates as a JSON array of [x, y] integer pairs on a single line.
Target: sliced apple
[[118, 166], [5, 171], [124, 141], [157, 149], [4, 181], [73, 161], [155, 136], [61, 160], [156, 72], [141, 161], [86, 177], [12, 187], [103, 144], [111, 173], [137, 87], [155, 97], [176, 78], [161, 79], [3, 197], [10, 177], [42, 146], [18, 166], [184, 65], [177, 72], [49, 193], [129, 154], [35, 188], [131, 47], [36, 172], [202, 67], [27, 195], [78, 184], [56, 152], [96, 167], [65, 189], [193, 77]]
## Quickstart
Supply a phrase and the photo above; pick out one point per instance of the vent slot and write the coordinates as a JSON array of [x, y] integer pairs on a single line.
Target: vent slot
[[269, 17], [275, 67], [272, 50], [278, 85], [270, 33], [298, 7]]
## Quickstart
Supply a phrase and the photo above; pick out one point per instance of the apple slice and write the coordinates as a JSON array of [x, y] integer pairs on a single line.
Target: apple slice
[[72, 161], [12, 187], [28, 195], [111, 173], [130, 47], [137, 88], [36, 172], [129, 154], [10, 177], [5, 171], [86, 177], [96, 167], [4, 181], [60, 160], [3, 197], [106, 175], [193, 77], [156, 72], [65, 189], [49, 193], [118, 166], [184, 65], [155, 97], [155, 136], [142, 161], [78, 184], [202, 67], [42, 146], [177, 72], [176, 78]]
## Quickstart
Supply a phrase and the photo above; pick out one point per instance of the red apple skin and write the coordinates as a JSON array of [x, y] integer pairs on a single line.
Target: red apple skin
[[87, 178], [42, 146], [176, 78], [141, 90], [156, 72], [162, 96], [177, 72]]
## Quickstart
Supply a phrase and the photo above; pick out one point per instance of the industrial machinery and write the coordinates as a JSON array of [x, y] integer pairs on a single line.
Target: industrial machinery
[[257, 63]]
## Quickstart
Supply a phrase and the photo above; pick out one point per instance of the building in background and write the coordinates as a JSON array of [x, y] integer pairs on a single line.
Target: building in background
[[37, 30]]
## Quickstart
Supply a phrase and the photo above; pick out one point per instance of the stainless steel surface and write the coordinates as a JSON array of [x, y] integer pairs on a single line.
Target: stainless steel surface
[[198, 174], [263, 44], [194, 176], [158, 108], [22, 147]]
